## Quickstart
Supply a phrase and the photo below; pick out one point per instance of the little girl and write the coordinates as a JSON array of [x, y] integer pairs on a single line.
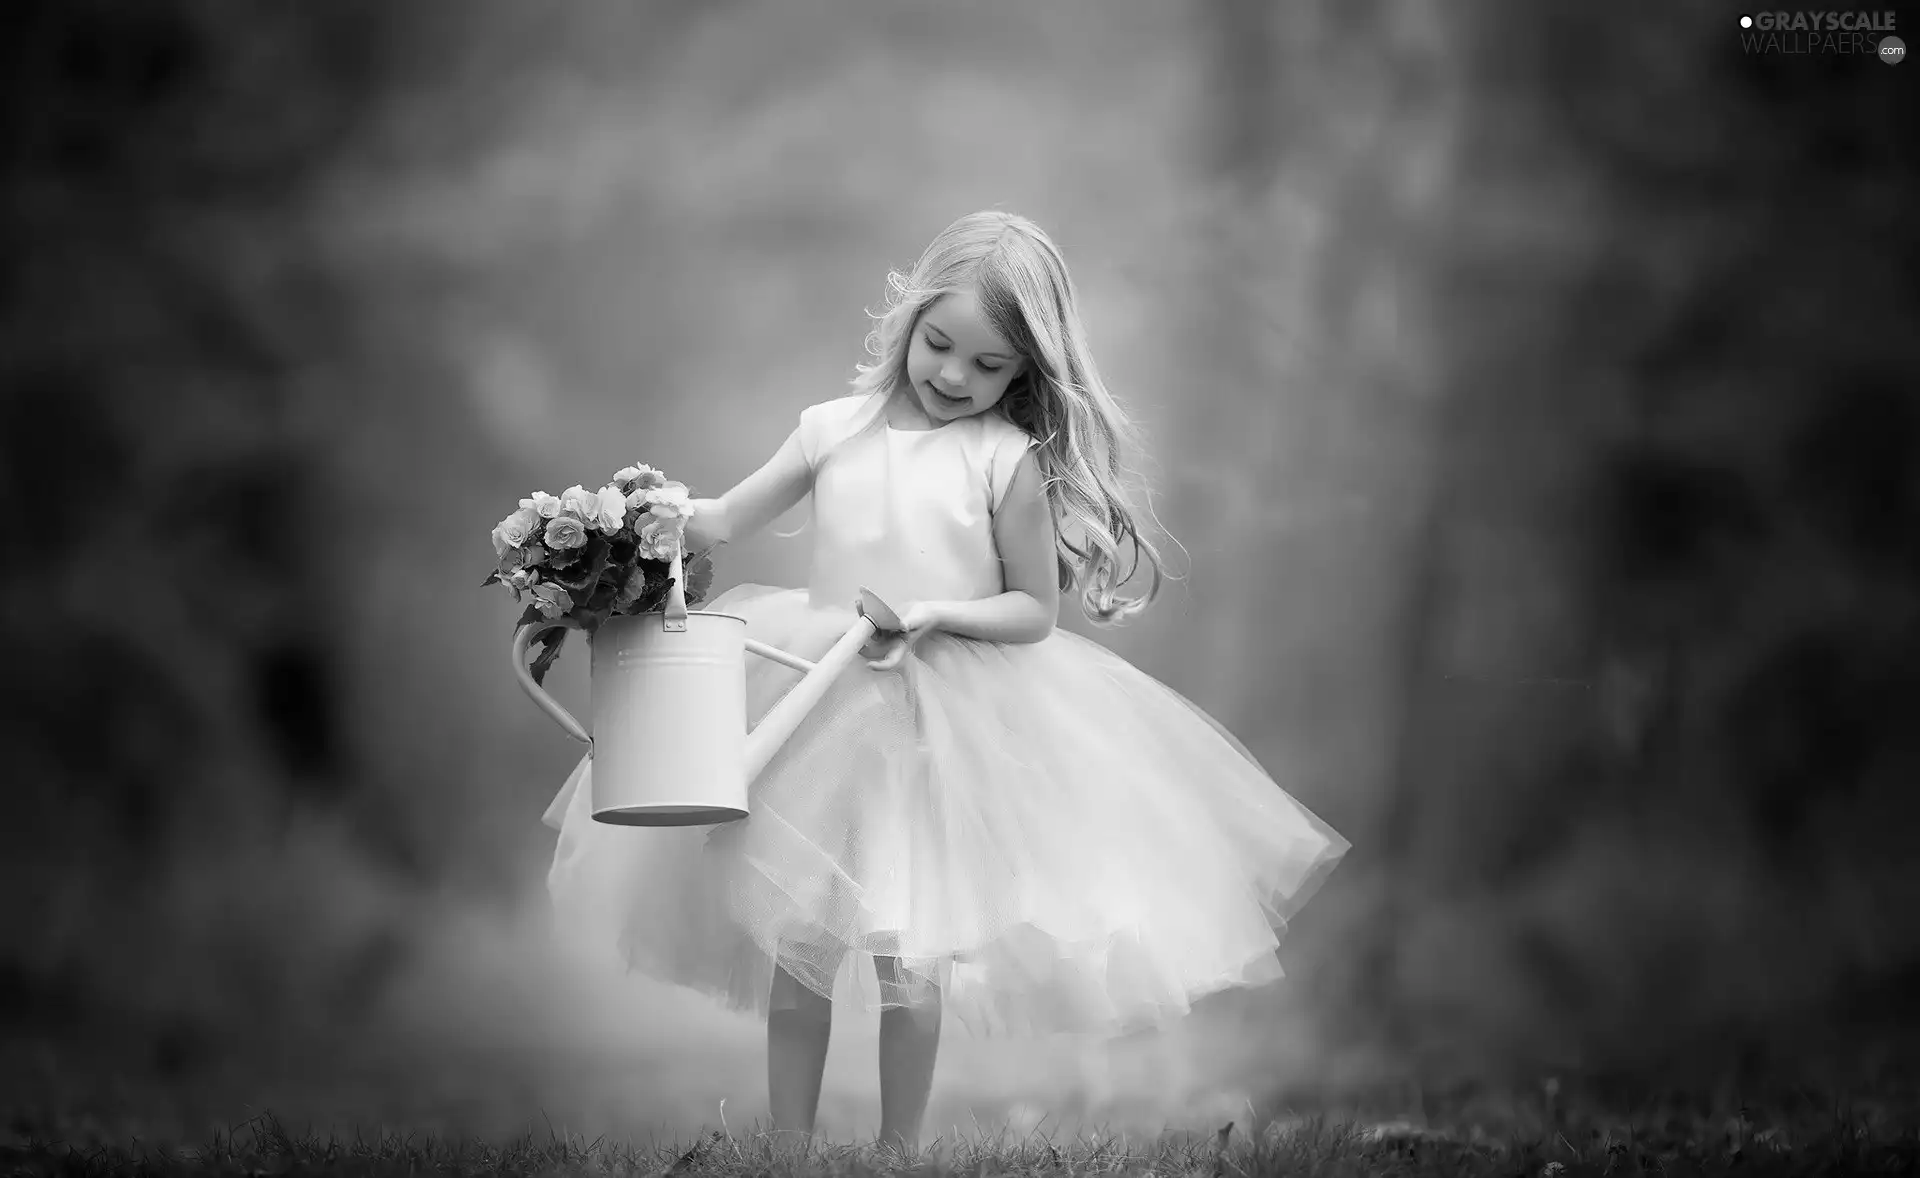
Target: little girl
[[993, 817]]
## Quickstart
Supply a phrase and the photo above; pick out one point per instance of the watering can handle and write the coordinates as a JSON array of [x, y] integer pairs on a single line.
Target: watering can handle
[[548, 704], [674, 617], [674, 620]]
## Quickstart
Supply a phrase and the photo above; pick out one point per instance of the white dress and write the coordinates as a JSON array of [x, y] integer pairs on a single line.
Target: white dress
[[1053, 837]]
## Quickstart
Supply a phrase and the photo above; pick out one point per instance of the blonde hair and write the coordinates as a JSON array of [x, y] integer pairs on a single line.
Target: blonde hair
[[1084, 434]]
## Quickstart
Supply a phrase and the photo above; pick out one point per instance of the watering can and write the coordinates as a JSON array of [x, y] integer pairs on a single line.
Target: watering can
[[669, 744]]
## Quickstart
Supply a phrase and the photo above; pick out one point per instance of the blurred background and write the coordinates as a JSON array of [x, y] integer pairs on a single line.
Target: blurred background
[[1530, 389]]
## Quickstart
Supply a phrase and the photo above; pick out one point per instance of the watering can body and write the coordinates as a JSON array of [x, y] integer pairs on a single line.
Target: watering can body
[[669, 739]]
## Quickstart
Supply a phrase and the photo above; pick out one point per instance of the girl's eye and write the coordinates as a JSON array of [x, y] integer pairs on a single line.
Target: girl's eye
[[936, 346]]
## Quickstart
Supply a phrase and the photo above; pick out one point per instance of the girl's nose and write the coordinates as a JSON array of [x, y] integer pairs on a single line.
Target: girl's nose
[[952, 375]]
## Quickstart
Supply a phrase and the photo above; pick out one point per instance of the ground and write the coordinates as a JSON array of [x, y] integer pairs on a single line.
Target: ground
[[60, 1120]]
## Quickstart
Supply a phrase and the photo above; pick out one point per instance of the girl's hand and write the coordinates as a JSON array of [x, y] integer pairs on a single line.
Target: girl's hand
[[888, 649]]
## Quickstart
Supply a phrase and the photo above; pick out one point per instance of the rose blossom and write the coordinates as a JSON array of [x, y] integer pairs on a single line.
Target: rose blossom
[[552, 600], [609, 509], [515, 530], [581, 502], [546, 505], [669, 502], [659, 540], [643, 477], [564, 531]]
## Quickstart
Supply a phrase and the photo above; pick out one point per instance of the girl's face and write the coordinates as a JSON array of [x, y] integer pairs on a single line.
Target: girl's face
[[957, 364]]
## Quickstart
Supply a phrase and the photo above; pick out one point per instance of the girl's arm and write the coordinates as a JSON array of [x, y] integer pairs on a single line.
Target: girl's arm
[[757, 501], [1023, 531]]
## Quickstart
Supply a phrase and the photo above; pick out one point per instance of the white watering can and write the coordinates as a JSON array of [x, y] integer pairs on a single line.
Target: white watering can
[[670, 745]]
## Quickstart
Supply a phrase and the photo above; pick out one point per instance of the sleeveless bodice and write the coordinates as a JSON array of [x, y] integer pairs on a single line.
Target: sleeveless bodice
[[908, 514]]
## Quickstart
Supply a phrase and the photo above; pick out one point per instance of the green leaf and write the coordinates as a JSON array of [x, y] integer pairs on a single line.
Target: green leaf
[[699, 570], [656, 597], [493, 578], [581, 577], [645, 580], [599, 605], [550, 644], [632, 589]]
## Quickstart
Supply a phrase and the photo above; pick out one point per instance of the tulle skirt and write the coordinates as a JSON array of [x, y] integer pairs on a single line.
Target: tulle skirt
[[1044, 834]]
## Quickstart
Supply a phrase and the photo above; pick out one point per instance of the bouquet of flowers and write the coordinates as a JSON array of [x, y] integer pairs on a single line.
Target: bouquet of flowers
[[590, 555]]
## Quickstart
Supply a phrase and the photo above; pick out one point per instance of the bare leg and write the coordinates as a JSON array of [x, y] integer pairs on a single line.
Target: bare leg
[[909, 1043], [799, 1025]]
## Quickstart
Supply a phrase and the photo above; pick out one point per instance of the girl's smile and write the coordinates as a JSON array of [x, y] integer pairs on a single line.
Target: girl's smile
[[947, 399]]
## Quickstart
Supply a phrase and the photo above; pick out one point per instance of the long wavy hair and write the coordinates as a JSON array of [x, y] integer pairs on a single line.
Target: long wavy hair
[[1085, 436]]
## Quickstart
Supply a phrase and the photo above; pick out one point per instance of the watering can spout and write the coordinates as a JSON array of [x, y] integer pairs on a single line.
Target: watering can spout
[[669, 739], [774, 729]]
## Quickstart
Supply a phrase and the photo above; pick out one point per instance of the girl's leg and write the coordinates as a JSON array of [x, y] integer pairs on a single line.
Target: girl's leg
[[909, 1042], [799, 1024]]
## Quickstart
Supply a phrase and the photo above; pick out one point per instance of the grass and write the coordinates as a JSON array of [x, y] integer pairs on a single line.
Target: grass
[[1657, 1142], [1857, 1113]]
